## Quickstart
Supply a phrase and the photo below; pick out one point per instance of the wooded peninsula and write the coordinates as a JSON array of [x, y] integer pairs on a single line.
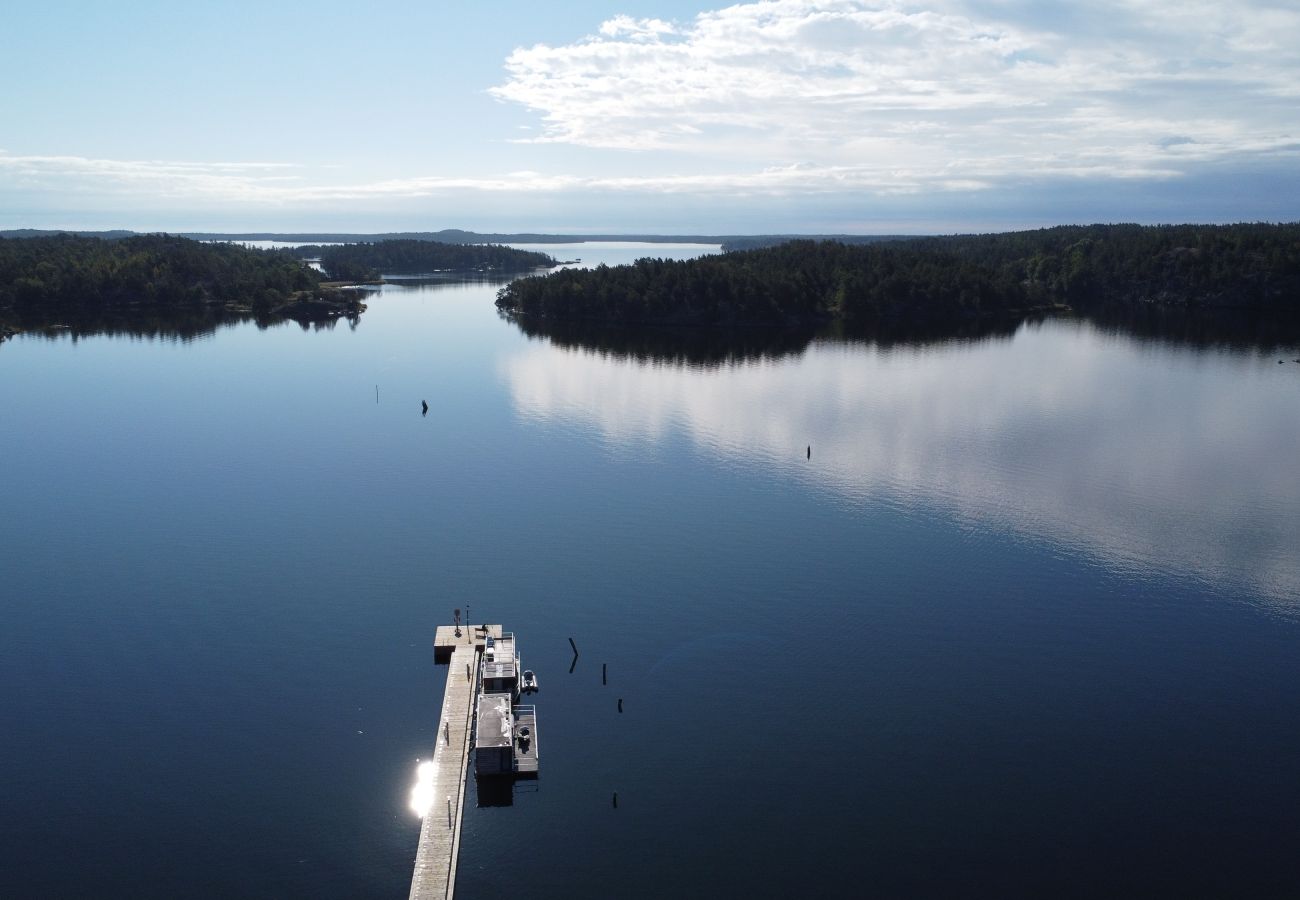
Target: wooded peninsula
[[64, 275], [932, 280], [51, 278], [368, 261]]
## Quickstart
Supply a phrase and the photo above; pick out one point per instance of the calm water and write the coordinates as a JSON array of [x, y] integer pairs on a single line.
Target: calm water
[[1027, 623]]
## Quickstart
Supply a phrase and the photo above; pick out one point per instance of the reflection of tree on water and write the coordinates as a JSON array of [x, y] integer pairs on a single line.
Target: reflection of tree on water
[[172, 324], [683, 345], [679, 345], [1238, 329]]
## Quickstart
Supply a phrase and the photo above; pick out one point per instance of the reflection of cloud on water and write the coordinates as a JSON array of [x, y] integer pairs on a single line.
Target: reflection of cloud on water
[[1146, 455]]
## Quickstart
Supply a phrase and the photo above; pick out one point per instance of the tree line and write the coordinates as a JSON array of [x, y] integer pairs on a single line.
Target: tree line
[[800, 282], [368, 261], [934, 280], [67, 272]]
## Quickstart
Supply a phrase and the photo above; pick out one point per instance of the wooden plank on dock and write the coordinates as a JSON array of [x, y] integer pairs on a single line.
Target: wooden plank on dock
[[435, 860]]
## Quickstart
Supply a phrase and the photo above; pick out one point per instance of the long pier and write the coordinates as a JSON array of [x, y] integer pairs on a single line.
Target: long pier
[[434, 877]]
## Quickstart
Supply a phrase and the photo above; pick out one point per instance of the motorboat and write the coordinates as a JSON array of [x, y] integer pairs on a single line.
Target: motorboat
[[529, 684]]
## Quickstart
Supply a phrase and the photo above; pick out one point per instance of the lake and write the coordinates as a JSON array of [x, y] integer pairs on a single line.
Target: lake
[[1011, 613]]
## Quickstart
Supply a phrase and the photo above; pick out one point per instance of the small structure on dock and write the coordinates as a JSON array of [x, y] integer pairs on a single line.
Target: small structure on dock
[[494, 736], [505, 737], [501, 665]]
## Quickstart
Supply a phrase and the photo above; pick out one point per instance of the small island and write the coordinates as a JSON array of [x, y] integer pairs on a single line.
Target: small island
[[49, 279], [933, 281], [369, 261]]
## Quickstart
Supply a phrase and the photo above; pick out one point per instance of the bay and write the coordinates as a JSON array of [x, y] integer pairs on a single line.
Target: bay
[[1005, 614]]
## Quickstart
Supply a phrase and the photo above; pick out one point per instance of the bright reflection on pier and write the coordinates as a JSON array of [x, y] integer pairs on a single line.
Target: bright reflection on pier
[[426, 783]]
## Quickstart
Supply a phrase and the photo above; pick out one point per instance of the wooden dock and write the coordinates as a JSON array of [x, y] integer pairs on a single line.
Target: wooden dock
[[434, 877], [435, 860]]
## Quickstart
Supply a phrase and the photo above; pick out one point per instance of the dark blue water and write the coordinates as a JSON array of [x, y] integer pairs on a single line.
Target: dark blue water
[[1025, 624]]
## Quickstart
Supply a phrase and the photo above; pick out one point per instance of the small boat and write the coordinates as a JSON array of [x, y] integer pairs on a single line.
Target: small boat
[[529, 683]]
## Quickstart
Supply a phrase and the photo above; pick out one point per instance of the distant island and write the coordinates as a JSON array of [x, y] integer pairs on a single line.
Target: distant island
[[43, 279], [368, 261], [927, 281]]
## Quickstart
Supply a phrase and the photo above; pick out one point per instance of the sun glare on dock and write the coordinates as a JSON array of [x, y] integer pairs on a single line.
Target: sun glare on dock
[[422, 793]]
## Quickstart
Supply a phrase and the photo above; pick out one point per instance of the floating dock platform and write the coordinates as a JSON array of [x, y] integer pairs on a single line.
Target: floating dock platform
[[525, 741]]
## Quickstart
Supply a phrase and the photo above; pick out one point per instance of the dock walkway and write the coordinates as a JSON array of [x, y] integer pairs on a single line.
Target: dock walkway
[[435, 860]]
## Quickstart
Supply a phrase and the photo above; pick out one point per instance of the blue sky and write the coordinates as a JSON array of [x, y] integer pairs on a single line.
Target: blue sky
[[667, 116]]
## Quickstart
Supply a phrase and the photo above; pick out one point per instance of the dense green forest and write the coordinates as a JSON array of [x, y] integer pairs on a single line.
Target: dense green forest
[[933, 280], [66, 273], [366, 262], [800, 282]]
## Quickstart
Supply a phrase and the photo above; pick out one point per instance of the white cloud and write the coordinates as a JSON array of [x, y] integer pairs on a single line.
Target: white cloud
[[264, 182], [227, 180], [953, 92], [784, 98], [637, 29]]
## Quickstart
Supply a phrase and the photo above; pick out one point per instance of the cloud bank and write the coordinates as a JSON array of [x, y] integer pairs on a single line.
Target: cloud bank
[[915, 95], [817, 115]]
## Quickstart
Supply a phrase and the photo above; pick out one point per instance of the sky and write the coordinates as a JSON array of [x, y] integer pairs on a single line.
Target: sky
[[648, 116]]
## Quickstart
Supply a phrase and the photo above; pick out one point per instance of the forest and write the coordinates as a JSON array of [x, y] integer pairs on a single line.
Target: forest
[[927, 281], [368, 261], [68, 273]]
